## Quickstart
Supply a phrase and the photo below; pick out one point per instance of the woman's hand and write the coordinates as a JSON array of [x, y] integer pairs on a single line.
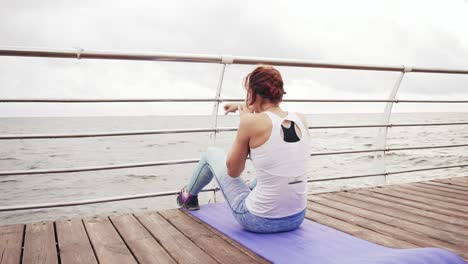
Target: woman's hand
[[234, 107], [230, 108]]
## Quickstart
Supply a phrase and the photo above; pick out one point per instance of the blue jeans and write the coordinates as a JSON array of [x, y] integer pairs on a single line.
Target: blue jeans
[[235, 190]]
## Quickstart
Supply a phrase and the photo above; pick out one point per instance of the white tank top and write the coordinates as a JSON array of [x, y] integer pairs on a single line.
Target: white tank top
[[281, 168]]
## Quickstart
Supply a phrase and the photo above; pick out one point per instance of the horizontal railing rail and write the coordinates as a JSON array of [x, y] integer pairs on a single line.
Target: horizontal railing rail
[[95, 201], [159, 194], [387, 149], [79, 53], [198, 130], [201, 100], [99, 168], [185, 161], [387, 173], [114, 134]]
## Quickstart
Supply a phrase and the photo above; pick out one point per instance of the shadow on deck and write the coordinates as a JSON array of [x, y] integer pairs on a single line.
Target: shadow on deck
[[425, 214]]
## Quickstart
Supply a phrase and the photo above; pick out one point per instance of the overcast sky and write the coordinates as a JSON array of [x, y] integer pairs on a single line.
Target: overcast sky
[[417, 33]]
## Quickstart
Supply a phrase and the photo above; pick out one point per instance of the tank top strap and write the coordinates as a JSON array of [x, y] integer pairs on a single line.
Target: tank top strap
[[298, 120], [295, 117], [276, 125], [277, 121], [291, 116], [274, 118]]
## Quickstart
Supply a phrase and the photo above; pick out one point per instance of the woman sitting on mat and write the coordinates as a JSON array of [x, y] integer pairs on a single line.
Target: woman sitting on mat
[[278, 143]]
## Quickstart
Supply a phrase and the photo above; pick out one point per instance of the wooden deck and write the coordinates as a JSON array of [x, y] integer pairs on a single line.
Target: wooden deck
[[427, 214]]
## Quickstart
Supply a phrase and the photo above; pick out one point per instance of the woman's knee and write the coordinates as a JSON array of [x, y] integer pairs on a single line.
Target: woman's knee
[[211, 150], [214, 153]]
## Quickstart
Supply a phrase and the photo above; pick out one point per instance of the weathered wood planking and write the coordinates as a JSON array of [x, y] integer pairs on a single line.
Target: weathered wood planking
[[247, 251], [460, 198], [11, 240], [459, 179], [454, 181], [440, 188], [455, 222], [73, 242], [383, 218], [397, 213], [379, 224], [392, 197], [422, 193], [454, 203], [107, 243], [423, 200], [425, 214], [39, 244], [448, 185], [216, 247], [358, 231], [182, 249], [145, 248], [383, 228]]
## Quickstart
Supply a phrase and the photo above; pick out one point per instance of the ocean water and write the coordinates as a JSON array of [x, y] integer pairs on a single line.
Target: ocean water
[[81, 152]]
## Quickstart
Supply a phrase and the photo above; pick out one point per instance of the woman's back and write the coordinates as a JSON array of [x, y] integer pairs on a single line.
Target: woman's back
[[278, 143], [281, 164]]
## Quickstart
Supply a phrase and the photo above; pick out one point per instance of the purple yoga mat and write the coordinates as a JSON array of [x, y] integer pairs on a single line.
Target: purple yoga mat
[[316, 243]]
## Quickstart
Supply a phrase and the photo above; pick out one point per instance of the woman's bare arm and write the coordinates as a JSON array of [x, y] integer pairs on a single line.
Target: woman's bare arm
[[240, 148]]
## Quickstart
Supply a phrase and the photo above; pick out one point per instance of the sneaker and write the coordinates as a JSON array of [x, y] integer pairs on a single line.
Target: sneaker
[[187, 201]]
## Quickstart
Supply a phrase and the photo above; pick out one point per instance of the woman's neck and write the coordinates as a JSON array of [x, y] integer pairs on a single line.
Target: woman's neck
[[272, 108], [268, 107]]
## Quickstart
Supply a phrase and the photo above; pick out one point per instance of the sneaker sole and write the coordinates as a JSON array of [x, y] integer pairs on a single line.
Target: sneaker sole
[[191, 208], [185, 206]]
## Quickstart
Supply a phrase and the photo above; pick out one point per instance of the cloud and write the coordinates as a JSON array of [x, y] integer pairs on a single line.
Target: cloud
[[420, 33]]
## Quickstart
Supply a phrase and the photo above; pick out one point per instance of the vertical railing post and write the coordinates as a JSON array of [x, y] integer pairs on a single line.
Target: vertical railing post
[[381, 141], [225, 60]]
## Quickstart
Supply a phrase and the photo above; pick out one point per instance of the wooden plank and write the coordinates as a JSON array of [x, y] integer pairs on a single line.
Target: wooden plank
[[460, 179], [369, 212], [143, 246], [441, 196], [247, 251], [364, 233], [404, 212], [73, 242], [213, 245], [182, 249], [453, 208], [11, 240], [387, 228], [461, 198], [39, 244], [412, 206], [448, 185], [453, 181], [107, 244], [440, 188]]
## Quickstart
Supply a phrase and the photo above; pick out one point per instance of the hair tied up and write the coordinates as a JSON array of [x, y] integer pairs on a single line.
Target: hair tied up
[[266, 82]]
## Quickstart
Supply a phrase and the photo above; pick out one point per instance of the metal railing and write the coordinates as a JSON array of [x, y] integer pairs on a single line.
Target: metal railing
[[187, 161], [224, 60], [79, 53], [198, 130], [219, 100]]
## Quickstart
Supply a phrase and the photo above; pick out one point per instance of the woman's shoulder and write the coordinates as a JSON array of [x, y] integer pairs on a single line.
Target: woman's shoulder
[[255, 122], [254, 118], [302, 117]]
